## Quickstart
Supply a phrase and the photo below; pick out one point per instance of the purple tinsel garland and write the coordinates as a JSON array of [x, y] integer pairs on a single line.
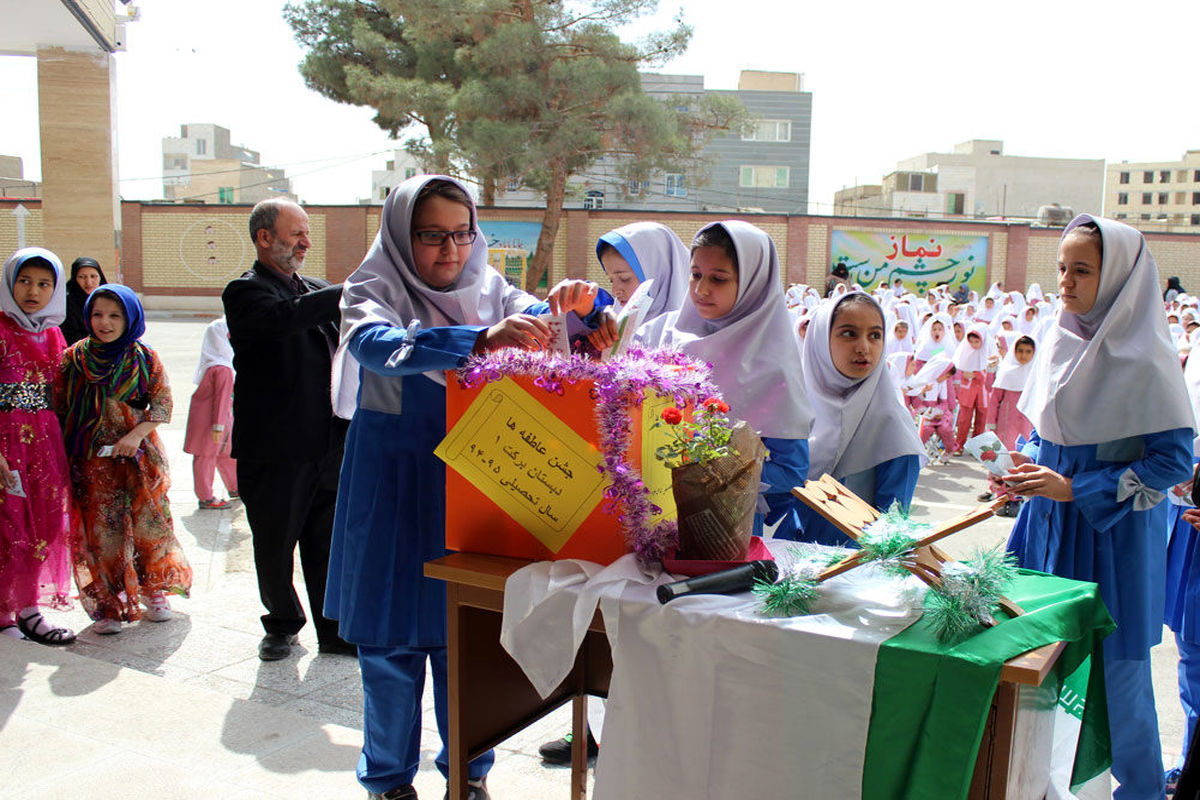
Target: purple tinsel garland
[[620, 385]]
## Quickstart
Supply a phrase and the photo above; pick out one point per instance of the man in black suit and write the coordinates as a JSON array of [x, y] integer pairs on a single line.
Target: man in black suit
[[286, 439]]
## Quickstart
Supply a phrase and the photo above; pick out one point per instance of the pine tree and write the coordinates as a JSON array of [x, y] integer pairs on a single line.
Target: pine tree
[[535, 91]]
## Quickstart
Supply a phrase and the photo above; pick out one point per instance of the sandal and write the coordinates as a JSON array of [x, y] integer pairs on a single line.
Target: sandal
[[35, 627]]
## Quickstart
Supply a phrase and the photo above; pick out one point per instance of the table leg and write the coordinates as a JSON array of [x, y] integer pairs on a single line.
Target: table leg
[[579, 735], [454, 670]]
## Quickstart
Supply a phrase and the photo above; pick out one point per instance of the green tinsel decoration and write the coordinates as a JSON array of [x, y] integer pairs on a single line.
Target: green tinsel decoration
[[969, 593], [790, 596], [890, 538]]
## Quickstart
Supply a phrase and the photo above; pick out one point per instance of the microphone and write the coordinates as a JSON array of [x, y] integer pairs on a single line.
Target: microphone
[[728, 581]]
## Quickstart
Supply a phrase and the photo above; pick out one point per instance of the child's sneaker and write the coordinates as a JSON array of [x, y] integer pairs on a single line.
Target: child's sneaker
[[158, 608], [106, 626]]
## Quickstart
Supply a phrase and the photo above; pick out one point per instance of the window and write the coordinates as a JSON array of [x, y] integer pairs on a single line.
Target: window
[[513, 185], [1147, 198], [1162, 198], [1164, 176], [956, 202], [593, 200], [1196, 219], [1196, 198], [1180, 198], [1120, 216], [1123, 177], [1145, 216], [409, 172], [764, 177], [1181, 176], [225, 194], [1196, 176], [175, 162], [1123, 199], [675, 185], [638, 188], [1148, 176], [769, 130], [201, 146]]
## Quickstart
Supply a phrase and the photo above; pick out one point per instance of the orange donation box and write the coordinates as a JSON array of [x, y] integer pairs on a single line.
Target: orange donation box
[[524, 475]]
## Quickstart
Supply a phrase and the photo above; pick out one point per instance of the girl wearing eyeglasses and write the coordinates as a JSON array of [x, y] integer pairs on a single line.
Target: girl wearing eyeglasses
[[423, 300]]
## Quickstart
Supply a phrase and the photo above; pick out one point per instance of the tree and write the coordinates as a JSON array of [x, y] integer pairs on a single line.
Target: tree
[[532, 90]]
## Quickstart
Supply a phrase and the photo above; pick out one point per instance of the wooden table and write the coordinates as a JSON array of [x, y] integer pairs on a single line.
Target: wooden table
[[490, 699]]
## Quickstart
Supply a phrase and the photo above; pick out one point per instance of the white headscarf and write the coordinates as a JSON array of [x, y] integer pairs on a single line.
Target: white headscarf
[[1113, 372], [970, 359], [50, 314], [1034, 293], [1010, 375], [653, 251], [752, 349], [928, 375], [893, 345], [857, 422], [926, 347], [215, 349], [386, 288]]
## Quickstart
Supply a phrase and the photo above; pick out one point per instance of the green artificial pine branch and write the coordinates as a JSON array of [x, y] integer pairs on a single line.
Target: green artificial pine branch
[[790, 596], [969, 593]]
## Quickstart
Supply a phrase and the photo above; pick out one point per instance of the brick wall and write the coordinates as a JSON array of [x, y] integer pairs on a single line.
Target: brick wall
[[194, 250]]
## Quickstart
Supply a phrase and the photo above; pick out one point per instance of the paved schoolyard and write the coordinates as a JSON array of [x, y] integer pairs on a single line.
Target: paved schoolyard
[[185, 708]]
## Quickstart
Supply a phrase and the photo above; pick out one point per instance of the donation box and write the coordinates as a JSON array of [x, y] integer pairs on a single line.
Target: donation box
[[524, 478]]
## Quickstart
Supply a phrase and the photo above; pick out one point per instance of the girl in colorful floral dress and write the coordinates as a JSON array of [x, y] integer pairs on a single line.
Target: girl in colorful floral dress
[[114, 394], [34, 491]]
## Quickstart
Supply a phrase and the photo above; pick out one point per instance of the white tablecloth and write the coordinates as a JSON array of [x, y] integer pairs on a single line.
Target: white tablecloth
[[708, 698]]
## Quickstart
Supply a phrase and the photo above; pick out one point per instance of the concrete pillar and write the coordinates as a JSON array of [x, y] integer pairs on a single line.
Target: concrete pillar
[[77, 116]]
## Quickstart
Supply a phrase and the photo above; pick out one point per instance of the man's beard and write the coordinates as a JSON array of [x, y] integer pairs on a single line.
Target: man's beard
[[285, 258]]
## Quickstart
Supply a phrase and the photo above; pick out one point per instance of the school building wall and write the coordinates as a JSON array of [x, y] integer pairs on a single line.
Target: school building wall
[[181, 256]]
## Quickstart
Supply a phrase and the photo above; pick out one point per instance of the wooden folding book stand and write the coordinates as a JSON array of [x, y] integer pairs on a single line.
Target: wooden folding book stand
[[849, 513]]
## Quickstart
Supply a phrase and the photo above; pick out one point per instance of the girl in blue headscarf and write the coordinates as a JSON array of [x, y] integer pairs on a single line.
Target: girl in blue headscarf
[[113, 393]]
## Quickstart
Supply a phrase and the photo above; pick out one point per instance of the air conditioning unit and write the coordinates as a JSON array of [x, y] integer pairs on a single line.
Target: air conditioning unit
[[1054, 215]]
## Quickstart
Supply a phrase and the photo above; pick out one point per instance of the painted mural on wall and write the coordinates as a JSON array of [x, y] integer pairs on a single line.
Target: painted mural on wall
[[510, 246], [919, 260]]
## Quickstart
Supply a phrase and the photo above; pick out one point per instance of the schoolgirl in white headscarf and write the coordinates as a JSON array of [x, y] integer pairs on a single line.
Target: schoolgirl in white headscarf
[[1011, 376], [862, 434], [651, 251], [210, 417], [933, 340], [900, 336], [751, 347], [1113, 429]]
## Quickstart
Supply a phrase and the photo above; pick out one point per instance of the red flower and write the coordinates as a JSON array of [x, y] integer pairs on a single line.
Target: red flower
[[716, 404], [672, 415]]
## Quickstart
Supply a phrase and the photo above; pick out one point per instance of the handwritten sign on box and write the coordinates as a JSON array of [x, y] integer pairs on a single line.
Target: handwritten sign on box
[[525, 460]]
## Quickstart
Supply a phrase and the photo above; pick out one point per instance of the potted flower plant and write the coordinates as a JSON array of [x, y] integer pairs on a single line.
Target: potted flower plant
[[715, 470]]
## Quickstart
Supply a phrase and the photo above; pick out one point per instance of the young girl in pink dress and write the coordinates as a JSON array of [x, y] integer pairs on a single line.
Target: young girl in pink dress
[[210, 417], [35, 565]]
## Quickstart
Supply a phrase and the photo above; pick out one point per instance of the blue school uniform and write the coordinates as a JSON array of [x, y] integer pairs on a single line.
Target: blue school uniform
[[390, 520], [786, 466], [1098, 537], [1182, 613], [889, 482]]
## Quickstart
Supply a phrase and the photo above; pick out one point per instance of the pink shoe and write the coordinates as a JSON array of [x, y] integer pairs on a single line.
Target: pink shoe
[[158, 608]]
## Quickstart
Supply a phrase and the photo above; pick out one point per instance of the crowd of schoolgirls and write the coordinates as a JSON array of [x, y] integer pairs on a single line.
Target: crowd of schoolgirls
[[855, 385]]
